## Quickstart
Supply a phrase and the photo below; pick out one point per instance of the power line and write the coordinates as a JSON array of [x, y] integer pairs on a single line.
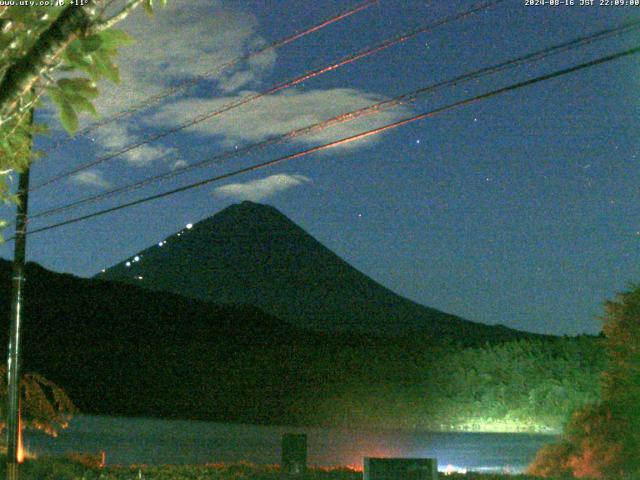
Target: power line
[[345, 117], [201, 118], [149, 101], [346, 140]]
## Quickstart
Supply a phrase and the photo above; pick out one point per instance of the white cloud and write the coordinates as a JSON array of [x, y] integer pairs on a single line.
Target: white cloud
[[231, 81], [179, 164], [190, 38], [181, 41], [257, 190], [278, 114], [90, 178], [115, 136]]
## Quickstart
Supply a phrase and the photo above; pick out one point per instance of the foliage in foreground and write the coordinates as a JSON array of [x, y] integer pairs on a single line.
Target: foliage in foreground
[[601, 441], [50, 468], [44, 405], [39, 42]]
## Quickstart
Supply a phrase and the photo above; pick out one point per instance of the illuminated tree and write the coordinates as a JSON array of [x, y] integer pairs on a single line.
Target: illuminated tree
[[601, 441], [44, 405], [621, 380]]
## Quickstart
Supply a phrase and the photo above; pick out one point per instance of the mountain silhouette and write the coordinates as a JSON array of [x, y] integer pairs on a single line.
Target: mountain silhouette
[[252, 254], [119, 349]]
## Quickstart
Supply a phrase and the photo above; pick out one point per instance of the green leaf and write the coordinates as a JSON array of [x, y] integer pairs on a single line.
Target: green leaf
[[105, 66], [91, 43], [57, 96], [93, 72], [69, 118], [114, 38], [73, 93], [7, 149], [68, 115], [148, 7], [76, 57], [79, 86], [81, 104]]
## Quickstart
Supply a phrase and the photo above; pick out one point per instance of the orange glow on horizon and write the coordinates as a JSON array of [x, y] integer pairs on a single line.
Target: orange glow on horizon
[[355, 458], [356, 468]]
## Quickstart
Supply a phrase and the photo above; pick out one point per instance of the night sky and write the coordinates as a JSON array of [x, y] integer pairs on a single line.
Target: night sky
[[522, 209]]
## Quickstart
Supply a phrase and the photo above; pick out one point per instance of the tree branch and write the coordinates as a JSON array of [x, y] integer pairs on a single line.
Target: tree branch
[[118, 17], [24, 110], [73, 22]]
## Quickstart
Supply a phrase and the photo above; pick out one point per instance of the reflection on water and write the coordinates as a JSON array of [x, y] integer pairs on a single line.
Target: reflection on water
[[152, 441]]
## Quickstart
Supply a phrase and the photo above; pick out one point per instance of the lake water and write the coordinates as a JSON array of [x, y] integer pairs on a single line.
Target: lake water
[[153, 441]]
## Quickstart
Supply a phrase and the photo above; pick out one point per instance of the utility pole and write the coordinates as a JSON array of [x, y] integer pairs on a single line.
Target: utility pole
[[13, 360]]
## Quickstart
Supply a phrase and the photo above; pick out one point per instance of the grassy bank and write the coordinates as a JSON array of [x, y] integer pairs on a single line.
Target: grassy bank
[[86, 468]]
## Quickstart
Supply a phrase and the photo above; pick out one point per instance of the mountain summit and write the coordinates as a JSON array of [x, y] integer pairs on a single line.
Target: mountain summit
[[252, 254]]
